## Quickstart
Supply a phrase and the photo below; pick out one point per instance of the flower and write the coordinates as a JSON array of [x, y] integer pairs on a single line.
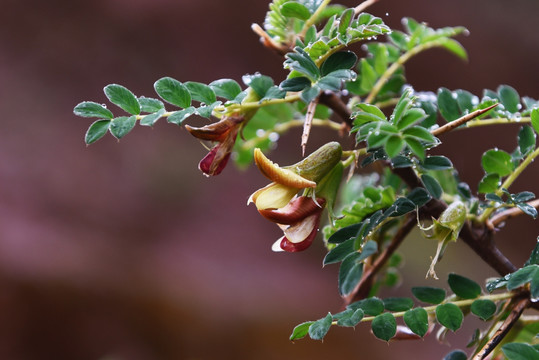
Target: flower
[[224, 132], [297, 216]]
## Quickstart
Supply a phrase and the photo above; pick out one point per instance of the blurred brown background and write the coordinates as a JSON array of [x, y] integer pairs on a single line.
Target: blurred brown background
[[126, 252]]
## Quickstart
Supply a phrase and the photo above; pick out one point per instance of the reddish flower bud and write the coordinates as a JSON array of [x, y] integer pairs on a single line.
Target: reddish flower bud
[[209, 165], [225, 133]]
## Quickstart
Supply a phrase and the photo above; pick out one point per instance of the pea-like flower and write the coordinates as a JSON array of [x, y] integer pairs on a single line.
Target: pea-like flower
[[223, 132], [297, 216]]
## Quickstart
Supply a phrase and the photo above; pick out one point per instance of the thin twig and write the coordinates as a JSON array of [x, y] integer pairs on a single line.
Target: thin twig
[[364, 5], [456, 123], [517, 310], [496, 121], [307, 124], [268, 42], [362, 289], [510, 213]]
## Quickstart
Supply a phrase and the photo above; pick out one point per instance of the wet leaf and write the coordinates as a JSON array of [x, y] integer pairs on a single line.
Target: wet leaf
[[350, 273], [463, 287], [509, 97], [432, 185], [384, 326], [497, 162], [448, 105], [320, 328], [301, 330], [353, 318], [489, 183], [173, 92], [430, 295], [484, 309], [398, 304], [96, 131], [526, 140], [371, 306], [338, 61], [226, 88], [522, 276], [92, 109], [450, 316], [201, 92], [417, 320], [123, 98], [150, 105], [120, 126], [520, 351], [294, 9], [437, 163]]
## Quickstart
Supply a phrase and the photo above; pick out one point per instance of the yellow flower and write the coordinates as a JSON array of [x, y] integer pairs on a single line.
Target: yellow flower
[[297, 216]]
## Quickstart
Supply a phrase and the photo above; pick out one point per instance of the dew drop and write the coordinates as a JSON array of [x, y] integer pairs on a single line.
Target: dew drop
[[260, 132], [273, 136]]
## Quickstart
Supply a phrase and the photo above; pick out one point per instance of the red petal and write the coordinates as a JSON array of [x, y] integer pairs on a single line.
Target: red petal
[[296, 210], [216, 131], [206, 163], [289, 246]]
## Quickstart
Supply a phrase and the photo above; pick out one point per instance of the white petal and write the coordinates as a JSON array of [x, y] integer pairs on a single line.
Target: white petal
[[300, 231], [276, 247]]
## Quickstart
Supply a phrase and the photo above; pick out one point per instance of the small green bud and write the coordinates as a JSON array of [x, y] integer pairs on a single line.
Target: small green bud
[[446, 229], [452, 219]]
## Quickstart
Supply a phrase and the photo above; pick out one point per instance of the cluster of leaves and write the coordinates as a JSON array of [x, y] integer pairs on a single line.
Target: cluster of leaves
[[402, 133], [192, 98], [287, 23], [401, 45], [496, 163], [310, 80], [383, 312], [519, 200], [454, 104], [499, 164], [356, 242], [527, 275], [285, 18]]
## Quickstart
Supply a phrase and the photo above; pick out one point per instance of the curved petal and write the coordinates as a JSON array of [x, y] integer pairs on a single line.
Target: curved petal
[[288, 246], [294, 211], [216, 131], [273, 196], [300, 231], [279, 175]]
